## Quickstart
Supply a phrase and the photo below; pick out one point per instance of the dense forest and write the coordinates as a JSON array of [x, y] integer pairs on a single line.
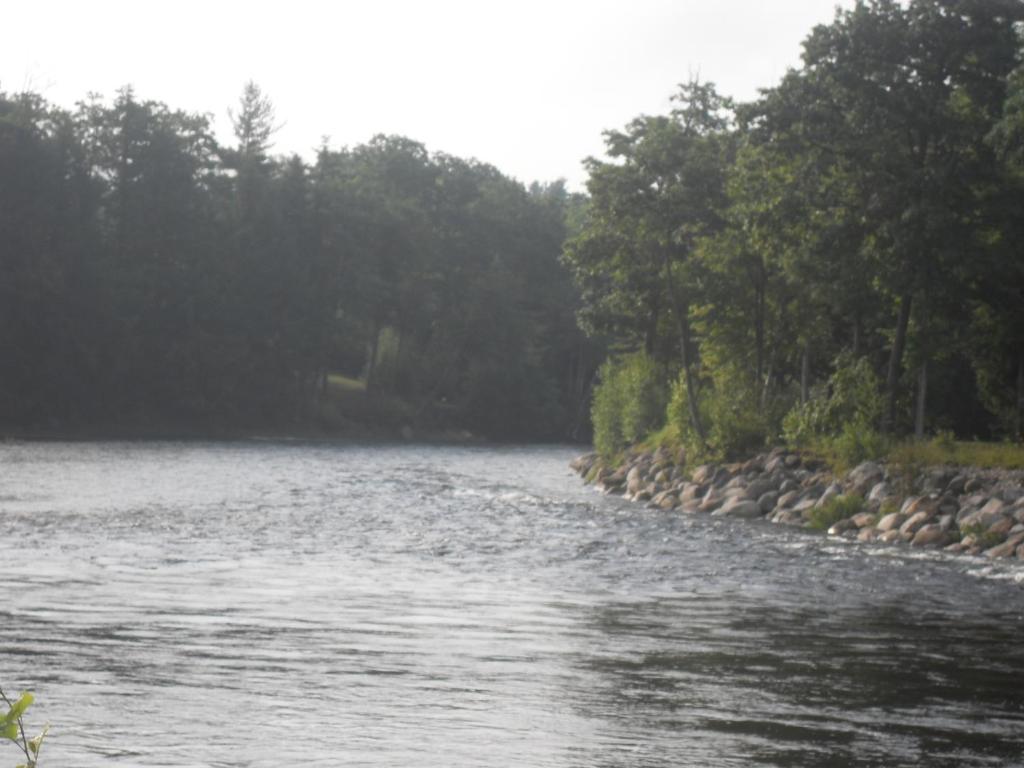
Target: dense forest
[[842, 259], [839, 259], [155, 281]]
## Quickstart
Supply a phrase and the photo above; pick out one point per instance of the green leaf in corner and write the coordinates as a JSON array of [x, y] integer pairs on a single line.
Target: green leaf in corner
[[19, 707], [9, 731]]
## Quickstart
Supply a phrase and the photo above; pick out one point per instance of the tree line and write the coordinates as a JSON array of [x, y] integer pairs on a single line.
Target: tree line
[[840, 258], [152, 276]]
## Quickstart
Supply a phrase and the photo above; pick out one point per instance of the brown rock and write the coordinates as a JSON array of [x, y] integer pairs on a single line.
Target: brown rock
[[1007, 548], [891, 522], [867, 534], [1002, 526], [915, 521], [931, 535], [888, 537], [863, 519]]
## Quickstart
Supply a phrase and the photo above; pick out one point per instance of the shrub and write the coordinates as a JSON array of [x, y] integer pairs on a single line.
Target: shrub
[[851, 396], [628, 402], [836, 509], [858, 442], [732, 414]]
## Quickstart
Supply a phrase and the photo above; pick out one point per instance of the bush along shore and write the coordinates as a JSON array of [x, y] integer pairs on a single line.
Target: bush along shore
[[955, 509]]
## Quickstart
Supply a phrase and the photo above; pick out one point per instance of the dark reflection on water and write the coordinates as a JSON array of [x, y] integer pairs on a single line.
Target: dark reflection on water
[[253, 604], [803, 687]]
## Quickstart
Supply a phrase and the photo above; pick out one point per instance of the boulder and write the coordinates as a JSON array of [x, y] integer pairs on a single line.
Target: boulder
[[1002, 526], [788, 499], [738, 507], [703, 474], [665, 500], [929, 504], [767, 501], [692, 492], [931, 535], [956, 485], [1007, 548], [988, 513], [841, 527], [891, 522], [888, 537], [788, 517], [864, 477], [788, 485], [915, 521], [973, 484], [634, 480], [712, 500], [759, 488], [863, 520], [880, 492], [830, 493], [867, 535]]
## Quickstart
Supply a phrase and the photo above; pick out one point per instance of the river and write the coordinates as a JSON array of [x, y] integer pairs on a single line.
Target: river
[[278, 603]]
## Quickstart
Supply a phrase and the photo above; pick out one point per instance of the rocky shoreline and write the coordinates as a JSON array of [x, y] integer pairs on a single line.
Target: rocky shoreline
[[957, 510]]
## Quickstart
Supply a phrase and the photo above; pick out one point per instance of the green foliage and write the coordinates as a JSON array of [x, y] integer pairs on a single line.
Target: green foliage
[[628, 402], [851, 399], [836, 509], [737, 421], [858, 442], [12, 728]]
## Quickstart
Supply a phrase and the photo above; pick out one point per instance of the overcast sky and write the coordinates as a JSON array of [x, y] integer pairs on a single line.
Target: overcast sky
[[527, 86]]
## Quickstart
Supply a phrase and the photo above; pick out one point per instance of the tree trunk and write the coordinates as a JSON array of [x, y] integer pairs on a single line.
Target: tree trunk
[[892, 378], [805, 373], [682, 312], [371, 369], [922, 398], [1017, 425], [759, 320]]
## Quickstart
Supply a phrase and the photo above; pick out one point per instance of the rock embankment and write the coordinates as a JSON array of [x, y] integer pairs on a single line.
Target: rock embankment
[[960, 510]]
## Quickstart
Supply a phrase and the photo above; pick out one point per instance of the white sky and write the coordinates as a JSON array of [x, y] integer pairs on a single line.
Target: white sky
[[527, 86]]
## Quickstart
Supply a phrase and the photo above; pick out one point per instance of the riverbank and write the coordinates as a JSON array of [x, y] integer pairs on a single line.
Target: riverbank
[[958, 510]]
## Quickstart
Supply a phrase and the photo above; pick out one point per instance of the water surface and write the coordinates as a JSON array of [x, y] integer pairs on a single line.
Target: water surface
[[261, 603]]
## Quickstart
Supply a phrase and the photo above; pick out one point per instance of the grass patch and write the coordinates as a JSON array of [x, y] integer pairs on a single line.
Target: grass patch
[[836, 509], [962, 454]]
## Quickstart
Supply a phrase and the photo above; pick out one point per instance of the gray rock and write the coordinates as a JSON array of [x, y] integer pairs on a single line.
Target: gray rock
[[788, 499], [880, 492], [759, 488], [634, 480], [973, 484], [830, 493], [737, 507], [767, 501], [787, 485], [956, 485]]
